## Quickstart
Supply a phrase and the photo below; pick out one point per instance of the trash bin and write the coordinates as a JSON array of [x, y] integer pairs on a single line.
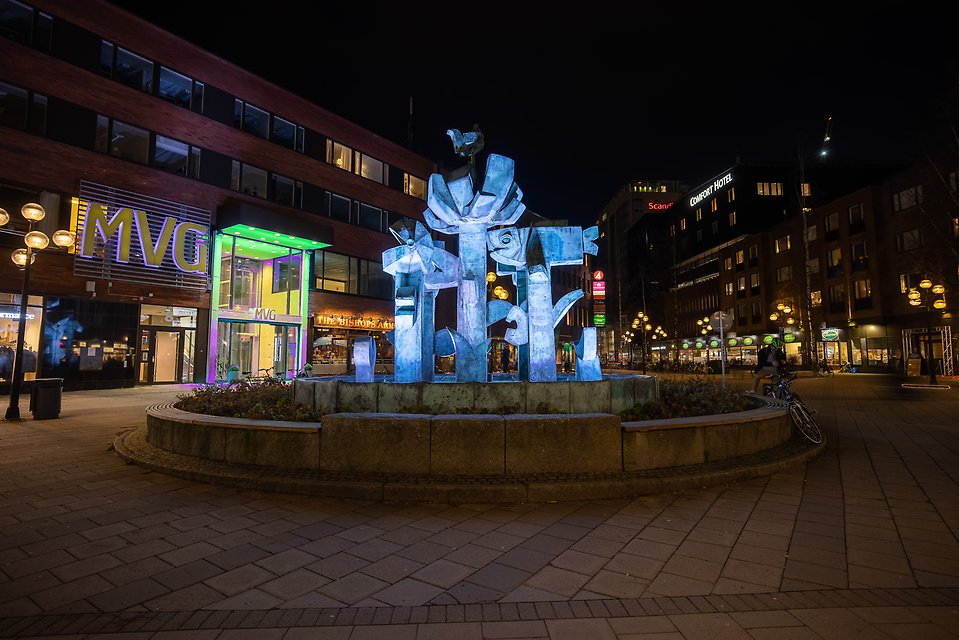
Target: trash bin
[[45, 398]]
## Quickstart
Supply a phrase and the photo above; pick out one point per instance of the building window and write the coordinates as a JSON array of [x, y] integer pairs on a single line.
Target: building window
[[251, 119], [811, 233], [715, 227], [757, 312], [754, 283], [286, 274], [248, 179], [782, 244], [728, 264], [179, 89], [682, 224], [371, 217], [731, 194], [753, 254], [862, 289], [122, 140], [907, 198], [769, 188], [732, 218], [729, 289], [831, 222], [672, 231], [741, 283], [286, 191], [740, 257], [345, 274], [908, 240], [837, 298], [815, 298], [806, 189], [699, 214], [812, 266], [834, 262], [860, 258], [699, 235], [909, 281], [126, 67], [287, 134], [13, 106], [371, 168], [856, 215], [951, 180], [713, 206], [176, 157], [784, 274], [413, 186], [340, 208]]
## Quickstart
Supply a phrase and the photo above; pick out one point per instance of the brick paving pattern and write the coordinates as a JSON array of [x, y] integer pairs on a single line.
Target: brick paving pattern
[[859, 542]]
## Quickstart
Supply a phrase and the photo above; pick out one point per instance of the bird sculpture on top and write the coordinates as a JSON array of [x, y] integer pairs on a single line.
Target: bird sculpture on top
[[466, 144]]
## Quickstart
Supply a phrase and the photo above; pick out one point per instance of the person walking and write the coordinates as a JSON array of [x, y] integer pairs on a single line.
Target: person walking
[[771, 358], [504, 358]]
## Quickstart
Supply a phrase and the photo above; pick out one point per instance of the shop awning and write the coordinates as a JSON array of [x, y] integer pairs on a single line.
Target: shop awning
[[292, 229]]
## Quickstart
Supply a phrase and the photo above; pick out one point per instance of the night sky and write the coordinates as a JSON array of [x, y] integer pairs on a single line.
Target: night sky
[[585, 103]]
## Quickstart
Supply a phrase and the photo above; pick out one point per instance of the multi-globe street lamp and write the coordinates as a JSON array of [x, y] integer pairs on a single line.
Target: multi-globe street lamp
[[642, 323], [931, 297], [35, 241]]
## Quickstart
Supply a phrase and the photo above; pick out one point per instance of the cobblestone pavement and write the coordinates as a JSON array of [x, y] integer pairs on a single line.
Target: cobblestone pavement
[[861, 542]]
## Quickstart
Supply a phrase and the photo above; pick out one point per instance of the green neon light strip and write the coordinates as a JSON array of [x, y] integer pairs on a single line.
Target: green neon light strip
[[273, 237]]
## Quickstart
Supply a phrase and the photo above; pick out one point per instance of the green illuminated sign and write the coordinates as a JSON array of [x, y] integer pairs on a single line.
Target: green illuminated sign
[[748, 342], [714, 343], [700, 344], [768, 339], [830, 334], [733, 342], [789, 337], [685, 345], [599, 319]]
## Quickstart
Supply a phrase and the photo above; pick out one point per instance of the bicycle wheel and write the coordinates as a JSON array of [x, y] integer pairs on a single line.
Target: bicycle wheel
[[805, 422]]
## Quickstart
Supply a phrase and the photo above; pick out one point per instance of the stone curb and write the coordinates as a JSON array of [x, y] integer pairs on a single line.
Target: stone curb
[[132, 447]]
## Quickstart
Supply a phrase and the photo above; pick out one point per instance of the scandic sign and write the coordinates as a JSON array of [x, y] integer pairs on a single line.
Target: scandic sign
[[96, 223]]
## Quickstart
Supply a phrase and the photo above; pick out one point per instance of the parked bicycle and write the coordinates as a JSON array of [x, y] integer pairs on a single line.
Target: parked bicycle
[[801, 415], [824, 370], [262, 376]]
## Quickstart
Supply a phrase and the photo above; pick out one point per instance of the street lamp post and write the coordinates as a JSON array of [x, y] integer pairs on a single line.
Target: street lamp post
[[35, 241], [925, 298]]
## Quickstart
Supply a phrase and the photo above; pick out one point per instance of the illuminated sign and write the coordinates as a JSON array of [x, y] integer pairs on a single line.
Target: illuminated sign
[[599, 319], [714, 343], [151, 243], [598, 275], [700, 344], [830, 335], [599, 289], [7, 315], [748, 342], [263, 313], [733, 342], [789, 337], [716, 185], [257, 314], [685, 344], [327, 319], [658, 206], [768, 339]]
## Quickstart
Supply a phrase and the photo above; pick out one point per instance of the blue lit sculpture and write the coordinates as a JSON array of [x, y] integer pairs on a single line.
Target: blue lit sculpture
[[456, 207], [530, 254], [364, 358], [420, 267], [587, 358]]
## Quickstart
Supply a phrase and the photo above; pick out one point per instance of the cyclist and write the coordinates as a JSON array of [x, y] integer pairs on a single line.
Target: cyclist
[[771, 360]]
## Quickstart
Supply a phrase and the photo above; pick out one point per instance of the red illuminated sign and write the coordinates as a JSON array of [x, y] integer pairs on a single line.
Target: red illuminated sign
[[599, 289], [598, 275], [658, 206]]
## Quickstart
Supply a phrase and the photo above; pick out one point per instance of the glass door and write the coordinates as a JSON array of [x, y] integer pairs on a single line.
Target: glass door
[[161, 355]]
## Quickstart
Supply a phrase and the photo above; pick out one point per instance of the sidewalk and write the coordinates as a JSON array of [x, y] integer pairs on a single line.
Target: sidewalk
[[859, 543]]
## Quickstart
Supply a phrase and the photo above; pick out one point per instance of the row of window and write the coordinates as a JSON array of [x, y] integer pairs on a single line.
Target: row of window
[[25, 110], [23, 24]]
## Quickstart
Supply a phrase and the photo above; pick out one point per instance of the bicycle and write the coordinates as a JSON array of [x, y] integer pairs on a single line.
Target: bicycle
[[798, 411], [262, 376], [824, 370]]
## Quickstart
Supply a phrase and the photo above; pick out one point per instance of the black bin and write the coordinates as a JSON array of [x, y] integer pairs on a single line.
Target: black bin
[[46, 398]]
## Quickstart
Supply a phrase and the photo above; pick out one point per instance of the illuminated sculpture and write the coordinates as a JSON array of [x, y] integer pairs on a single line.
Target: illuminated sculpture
[[587, 359], [419, 267], [530, 254], [456, 207], [364, 357]]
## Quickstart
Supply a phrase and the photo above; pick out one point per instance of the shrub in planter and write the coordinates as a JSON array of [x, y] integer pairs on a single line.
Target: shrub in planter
[[688, 397], [269, 400]]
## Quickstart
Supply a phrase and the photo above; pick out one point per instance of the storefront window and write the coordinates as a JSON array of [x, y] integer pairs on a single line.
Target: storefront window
[[9, 328]]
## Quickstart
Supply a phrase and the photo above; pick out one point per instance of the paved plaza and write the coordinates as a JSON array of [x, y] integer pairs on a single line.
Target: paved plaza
[[859, 543]]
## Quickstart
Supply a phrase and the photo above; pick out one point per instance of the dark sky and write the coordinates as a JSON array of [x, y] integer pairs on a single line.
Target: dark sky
[[585, 102]]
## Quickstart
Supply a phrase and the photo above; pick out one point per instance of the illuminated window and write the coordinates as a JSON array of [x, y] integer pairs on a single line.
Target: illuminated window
[[769, 188], [732, 218], [862, 289], [806, 189], [371, 169], [753, 253], [414, 186], [784, 274], [699, 214], [834, 257], [831, 222], [741, 283], [729, 288], [860, 257], [728, 263], [713, 205], [179, 89], [754, 280], [782, 244], [339, 155], [815, 298], [731, 194], [740, 257], [682, 224]]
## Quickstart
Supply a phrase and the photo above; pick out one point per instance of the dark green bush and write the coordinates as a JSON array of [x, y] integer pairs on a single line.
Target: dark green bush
[[688, 397], [269, 400]]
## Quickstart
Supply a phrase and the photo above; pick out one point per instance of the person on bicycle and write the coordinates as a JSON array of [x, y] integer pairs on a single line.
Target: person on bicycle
[[771, 360]]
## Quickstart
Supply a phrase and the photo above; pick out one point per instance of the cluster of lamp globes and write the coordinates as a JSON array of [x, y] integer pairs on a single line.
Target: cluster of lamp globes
[[704, 325], [498, 291], [915, 296], [35, 240], [783, 309], [641, 321]]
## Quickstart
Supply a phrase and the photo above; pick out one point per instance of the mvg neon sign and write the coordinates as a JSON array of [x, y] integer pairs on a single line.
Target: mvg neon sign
[[97, 223]]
